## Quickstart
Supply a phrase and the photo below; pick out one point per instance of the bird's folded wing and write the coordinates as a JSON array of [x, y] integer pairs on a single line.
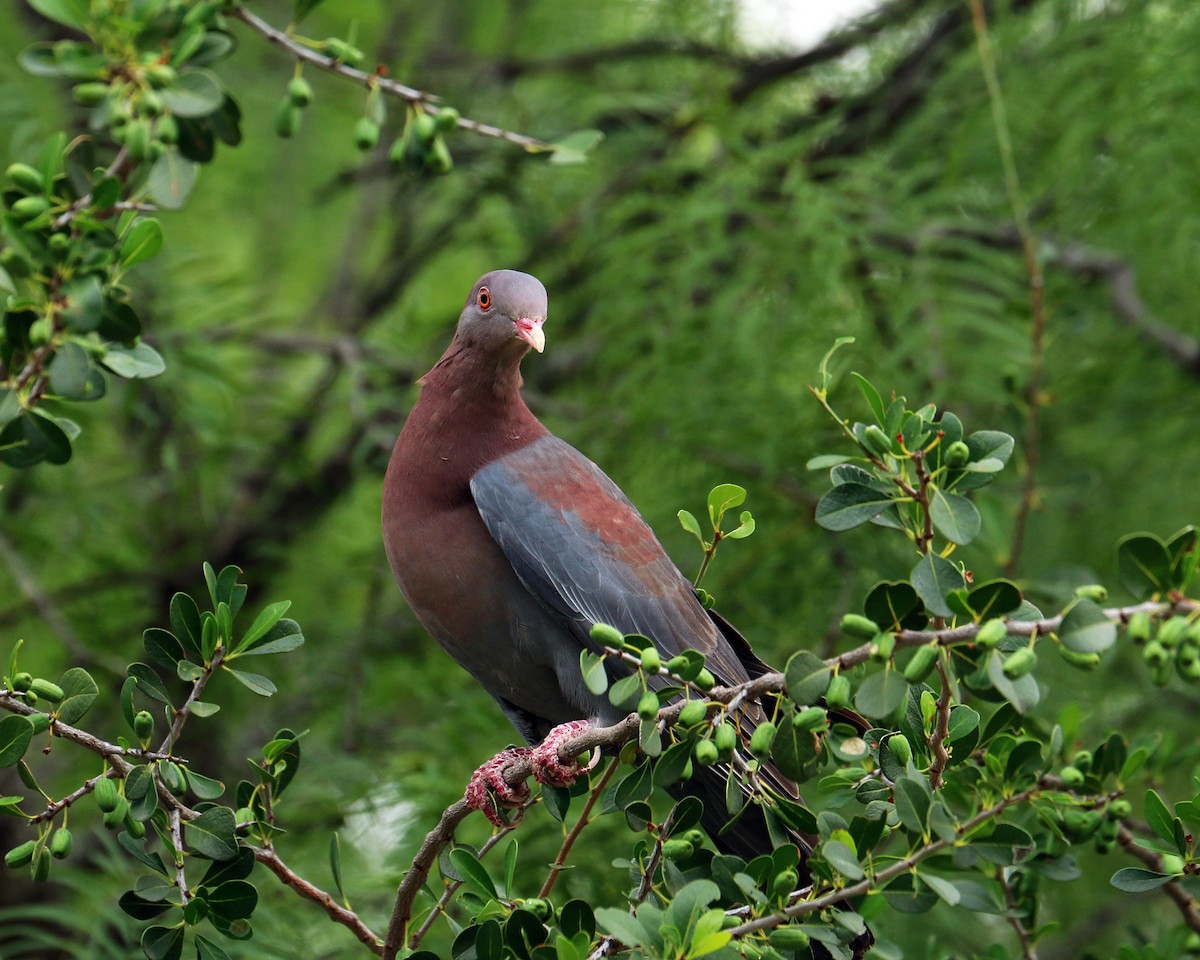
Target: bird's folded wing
[[582, 549]]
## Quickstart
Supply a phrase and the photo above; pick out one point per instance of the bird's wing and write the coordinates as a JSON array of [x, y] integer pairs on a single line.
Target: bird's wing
[[582, 549]]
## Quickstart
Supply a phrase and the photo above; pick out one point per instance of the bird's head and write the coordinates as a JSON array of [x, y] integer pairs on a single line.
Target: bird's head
[[504, 314]]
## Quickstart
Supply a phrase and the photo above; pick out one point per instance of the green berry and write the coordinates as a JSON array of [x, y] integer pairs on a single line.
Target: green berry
[[705, 680], [21, 854], [22, 681], [160, 75], [882, 647], [45, 689], [725, 739], [1172, 632], [115, 818], [137, 139], [1092, 591], [1019, 662], [60, 843], [859, 627], [900, 749], [107, 794], [143, 724], [677, 849], [90, 94], [1082, 760], [990, 633], [287, 119], [424, 127], [1139, 627], [693, 712], [706, 753], [27, 208], [651, 661], [1119, 809], [40, 721], [300, 91], [788, 938], [1071, 776], [810, 718], [958, 454], [1155, 653], [647, 707], [26, 178], [762, 738], [784, 882], [366, 134], [607, 636], [922, 662], [41, 865], [446, 120], [1081, 661], [837, 694]]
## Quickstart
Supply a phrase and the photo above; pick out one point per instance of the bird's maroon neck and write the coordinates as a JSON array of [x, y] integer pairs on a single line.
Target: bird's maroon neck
[[470, 412]]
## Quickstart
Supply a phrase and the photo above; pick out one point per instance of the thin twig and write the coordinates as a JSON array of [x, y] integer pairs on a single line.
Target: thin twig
[[452, 887], [1188, 905], [941, 729], [418, 98], [564, 851], [182, 714], [177, 843], [1015, 916], [877, 879], [336, 912], [1037, 305]]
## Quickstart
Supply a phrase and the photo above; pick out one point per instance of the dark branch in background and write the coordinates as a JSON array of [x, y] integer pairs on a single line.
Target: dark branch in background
[[1188, 906], [758, 74]]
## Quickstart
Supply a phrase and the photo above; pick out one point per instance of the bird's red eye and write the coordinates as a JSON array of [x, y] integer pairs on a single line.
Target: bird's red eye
[[485, 298]]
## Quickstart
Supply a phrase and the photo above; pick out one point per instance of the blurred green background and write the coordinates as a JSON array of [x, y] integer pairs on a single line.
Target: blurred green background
[[747, 207]]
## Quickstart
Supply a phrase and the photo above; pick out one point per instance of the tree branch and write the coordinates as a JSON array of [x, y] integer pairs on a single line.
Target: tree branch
[[1188, 906], [418, 98]]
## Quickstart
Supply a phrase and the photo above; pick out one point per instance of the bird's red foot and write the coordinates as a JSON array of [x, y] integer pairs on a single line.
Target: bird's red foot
[[488, 790], [548, 768]]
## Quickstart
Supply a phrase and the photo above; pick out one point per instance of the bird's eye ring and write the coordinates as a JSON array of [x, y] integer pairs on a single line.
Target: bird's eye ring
[[485, 298]]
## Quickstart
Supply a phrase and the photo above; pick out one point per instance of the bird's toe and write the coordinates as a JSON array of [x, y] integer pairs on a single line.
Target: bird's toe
[[548, 767], [488, 791]]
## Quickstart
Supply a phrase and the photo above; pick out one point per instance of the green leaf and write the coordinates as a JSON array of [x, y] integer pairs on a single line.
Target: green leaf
[[850, 504], [1137, 880], [70, 13], [1008, 844], [69, 372], [874, 401], [142, 242], [171, 179], [1086, 629], [689, 523], [994, 598], [473, 872], [913, 801], [233, 900], [826, 460], [152, 889], [933, 578], [149, 682], [881, 694], [253, 681], [595, 677], [163, 943], [744, 528], [212, 834], [195, 93], [1023, 693], [623, 926], [806, 677], [16, 733], [1143, 565], [79, 693], [574, 147], [946, 890], [207, 950], [139, 362], [267, 618], [722, 497], [954, 516], [1163, 822], [135, 849], [285, 636], [842, 859]]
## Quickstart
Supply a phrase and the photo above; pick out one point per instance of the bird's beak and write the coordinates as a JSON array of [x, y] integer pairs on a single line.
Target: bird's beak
[[529, 329]]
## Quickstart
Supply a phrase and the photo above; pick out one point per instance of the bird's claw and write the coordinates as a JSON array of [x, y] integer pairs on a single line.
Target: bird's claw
[[548, 768], [488, 791]]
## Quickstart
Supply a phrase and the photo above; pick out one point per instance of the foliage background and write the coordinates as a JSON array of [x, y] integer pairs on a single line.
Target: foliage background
[[734, 221]]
